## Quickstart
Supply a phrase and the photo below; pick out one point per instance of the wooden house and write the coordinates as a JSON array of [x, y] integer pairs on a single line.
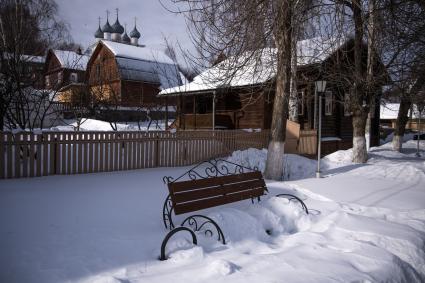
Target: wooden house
[[245, 98], [30, 67], [65, 73], [389, 114], [129, 75]]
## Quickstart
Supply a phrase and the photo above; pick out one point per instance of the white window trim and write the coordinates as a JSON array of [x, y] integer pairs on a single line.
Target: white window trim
[[73, 77], [301, 112], [328, 103], [60, 77], [47, 81], [346, 104]]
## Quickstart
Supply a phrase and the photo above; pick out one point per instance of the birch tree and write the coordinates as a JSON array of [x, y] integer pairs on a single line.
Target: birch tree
[[239, 31]]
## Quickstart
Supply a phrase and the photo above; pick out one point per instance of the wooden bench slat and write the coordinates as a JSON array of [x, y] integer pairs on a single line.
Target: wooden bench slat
[[211, 202], [218, 190], [211, 182]]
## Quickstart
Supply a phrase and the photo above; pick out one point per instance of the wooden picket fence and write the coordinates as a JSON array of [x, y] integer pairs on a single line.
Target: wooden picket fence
[[307, 142], [52, 153]]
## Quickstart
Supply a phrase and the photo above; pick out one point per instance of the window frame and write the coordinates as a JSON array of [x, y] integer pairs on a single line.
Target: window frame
[[47, 81], [328, 103], [73, 77], [347, 112], [60, 78], [302, 102]]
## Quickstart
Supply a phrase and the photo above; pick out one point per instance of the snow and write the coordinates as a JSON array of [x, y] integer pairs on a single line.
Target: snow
[[72, 60], [98, 125], [136, 52], [144, 64], [390, 111], [26, 58], [366, 224], [257, 67], [330, 139]]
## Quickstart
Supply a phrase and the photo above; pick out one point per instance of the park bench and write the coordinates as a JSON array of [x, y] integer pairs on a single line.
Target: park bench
[[209, 184]]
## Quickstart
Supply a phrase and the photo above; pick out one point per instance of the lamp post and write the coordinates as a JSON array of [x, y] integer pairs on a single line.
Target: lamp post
[[420, 108], [320, 89]]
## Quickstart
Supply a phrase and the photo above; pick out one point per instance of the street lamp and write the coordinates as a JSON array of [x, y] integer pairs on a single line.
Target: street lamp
[[420, 108], [320, 89]]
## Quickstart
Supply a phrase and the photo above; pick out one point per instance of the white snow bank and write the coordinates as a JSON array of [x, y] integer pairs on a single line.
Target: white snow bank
[[295, 166], [363, 226], [98, 125]]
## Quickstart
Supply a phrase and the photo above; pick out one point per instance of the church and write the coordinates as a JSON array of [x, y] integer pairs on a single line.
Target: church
[[116, 70], [121, 71]]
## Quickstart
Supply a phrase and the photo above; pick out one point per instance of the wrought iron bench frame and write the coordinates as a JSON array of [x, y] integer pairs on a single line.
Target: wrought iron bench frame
[[212, 168]]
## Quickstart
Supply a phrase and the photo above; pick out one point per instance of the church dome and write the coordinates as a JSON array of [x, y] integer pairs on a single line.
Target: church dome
[[98, 33], [117, 27], [125, 38], [135, 33], [107, 27]]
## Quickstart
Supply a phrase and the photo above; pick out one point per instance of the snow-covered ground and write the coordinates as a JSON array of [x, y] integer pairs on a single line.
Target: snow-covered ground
[[98, 125], [367, 224]]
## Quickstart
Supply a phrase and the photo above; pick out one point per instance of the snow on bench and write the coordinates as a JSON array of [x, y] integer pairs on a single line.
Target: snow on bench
[[211, 183]]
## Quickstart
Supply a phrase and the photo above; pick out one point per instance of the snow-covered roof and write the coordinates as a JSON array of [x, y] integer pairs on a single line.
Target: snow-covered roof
[[33, 59], [27, 58], [136, 52], [72, 60], [389, 111], [257, 67], [144, 64]]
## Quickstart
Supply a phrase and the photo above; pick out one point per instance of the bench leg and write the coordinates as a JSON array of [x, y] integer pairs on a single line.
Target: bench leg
[[206, 224], [170, 234], [167, 212], [291, 198]]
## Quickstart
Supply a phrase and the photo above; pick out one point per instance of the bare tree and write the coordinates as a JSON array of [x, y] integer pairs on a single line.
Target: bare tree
[[27, 29], [250, 35], [404, 52]]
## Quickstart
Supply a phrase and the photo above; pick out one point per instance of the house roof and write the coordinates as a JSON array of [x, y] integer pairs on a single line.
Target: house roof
[[136, 52], [389, 111], [27, 58], [146, 65], [256, 67], [72, 60]]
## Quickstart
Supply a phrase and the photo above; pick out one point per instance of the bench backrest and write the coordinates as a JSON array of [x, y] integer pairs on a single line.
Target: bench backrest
[[193, 195]]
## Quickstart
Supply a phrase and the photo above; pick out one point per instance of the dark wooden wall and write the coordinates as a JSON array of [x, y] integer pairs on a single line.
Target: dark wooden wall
[[139, 94], [53, 68]]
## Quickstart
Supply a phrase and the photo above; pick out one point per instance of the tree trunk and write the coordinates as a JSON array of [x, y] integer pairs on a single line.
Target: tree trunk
[[294, 99], [369, 126], [370, 69], [360, 110], [359, 140], [283, 35], [401, 122]]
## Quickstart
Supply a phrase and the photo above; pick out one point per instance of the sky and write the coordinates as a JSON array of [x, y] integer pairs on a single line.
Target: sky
[[153, 20]]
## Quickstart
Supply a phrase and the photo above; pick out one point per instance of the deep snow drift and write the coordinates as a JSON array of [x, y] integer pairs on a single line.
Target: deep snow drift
[[366, 224]]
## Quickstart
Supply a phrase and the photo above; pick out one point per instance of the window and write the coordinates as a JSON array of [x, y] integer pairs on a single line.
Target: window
[[328, 103], [347, 111], [301, 102], [60, 78], [98, 71], [73, 77], [47, 81]]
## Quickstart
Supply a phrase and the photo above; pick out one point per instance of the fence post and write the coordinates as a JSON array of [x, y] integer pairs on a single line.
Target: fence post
[[56, 156], [156, 157], [2, 156]]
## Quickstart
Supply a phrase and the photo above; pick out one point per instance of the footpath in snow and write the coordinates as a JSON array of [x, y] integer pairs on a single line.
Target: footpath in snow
[[367, 224]]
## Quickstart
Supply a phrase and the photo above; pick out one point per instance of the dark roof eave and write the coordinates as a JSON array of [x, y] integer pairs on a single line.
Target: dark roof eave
[[211, 90]]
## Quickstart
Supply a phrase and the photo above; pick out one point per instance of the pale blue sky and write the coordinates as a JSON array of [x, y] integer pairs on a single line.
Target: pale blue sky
[[153, 20]]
